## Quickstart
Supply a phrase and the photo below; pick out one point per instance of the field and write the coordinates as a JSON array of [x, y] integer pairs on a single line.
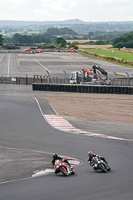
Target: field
[[95, 46], [112, 53], [80, 41]]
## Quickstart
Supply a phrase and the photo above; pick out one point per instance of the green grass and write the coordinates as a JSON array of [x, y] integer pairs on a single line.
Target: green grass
[[112, 53]]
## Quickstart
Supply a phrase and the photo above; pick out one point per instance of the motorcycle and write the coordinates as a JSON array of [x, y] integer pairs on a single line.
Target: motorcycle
[[61, 166], [99, 164]]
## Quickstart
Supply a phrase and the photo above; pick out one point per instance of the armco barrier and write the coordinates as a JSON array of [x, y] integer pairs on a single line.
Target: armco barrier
[[103, 89]]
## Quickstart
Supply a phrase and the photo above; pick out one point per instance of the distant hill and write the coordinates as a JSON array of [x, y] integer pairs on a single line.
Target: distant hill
[[26, 23], [71, 21], [81, 27]]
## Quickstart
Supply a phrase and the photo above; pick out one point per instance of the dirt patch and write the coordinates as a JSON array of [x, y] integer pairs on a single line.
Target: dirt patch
[[93, 107]]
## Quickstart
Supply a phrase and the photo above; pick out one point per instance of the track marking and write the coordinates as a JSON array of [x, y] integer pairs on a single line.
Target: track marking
[[8, 66], [62, 124], [73, 161], [42, 65], [1, 58]]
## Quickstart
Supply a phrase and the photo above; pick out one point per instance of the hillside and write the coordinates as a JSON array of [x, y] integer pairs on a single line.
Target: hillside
[[76, 25]]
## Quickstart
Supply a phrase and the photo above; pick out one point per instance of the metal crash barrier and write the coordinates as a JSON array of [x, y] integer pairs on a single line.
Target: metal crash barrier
[[104, 89]]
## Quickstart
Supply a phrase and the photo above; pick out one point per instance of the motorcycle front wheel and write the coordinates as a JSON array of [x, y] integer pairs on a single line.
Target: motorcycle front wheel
[[64, 172], [103, 168]]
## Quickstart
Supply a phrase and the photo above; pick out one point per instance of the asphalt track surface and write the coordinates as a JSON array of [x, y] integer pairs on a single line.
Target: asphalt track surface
[[23, 127], [12, 65]]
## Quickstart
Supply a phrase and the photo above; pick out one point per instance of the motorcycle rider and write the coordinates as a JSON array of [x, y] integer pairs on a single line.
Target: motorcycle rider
[[92, 155], [57, 157]]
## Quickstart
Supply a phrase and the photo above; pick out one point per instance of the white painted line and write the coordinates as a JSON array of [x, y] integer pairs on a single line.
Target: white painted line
[[74, 161], [8, 66], [66, 130], [41, 65], [73, 129], [62, 124], [39, 106], [58, 120], [1, 58], [58, 123]]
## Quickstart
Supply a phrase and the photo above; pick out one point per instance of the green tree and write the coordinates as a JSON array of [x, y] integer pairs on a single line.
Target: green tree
[[16, 38], [40, 38], [124, 41], [61, 42], [1, 40], [119, 45], [100, 42], [91, 35], [60, 31], [73, 45]]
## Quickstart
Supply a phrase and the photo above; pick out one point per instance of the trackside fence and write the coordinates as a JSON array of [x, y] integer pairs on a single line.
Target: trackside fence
[[104, 89], [122, 81], [30, 80]]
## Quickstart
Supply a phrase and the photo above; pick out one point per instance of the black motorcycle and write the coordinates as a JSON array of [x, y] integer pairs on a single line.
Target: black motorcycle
[[99, 164]]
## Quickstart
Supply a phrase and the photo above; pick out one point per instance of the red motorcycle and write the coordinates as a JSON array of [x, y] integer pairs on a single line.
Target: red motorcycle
[[61, 166]]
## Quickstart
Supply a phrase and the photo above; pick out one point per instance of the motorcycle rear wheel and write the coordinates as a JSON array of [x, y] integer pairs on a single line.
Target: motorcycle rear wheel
[[73, 171]]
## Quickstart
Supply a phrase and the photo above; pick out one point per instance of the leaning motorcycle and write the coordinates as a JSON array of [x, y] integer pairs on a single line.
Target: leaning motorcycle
[[62, 167], [99, 164]]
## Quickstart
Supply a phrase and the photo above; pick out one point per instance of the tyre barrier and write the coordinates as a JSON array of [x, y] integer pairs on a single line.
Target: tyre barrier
[[103, 89]]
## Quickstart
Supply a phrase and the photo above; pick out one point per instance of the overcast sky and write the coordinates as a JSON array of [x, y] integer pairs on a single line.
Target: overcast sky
[[58, 10]]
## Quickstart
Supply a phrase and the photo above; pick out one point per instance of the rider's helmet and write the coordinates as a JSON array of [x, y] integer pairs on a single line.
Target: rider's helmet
[[90, 154], [55, 155]]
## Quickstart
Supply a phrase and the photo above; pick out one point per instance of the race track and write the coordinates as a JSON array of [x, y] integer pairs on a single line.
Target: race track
[[23, 127], [12, 65]]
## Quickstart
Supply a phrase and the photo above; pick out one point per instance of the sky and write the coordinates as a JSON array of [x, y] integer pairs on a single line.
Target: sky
[[60, 10]]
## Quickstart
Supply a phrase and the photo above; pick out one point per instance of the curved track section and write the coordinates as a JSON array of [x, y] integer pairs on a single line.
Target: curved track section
[[23, 126], [62, 124]]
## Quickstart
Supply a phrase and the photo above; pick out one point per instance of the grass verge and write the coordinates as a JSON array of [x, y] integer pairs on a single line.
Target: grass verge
[[107, 58]]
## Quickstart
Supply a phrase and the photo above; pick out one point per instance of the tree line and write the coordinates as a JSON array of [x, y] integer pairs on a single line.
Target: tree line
[[43, 41], [60, 31], [124, 41], [29, 39], [54, 41], [1, 40]]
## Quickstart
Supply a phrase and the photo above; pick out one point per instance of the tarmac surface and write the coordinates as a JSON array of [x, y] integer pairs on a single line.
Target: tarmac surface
[[23, 163], [27, 141], [17, 163], [13, 64]]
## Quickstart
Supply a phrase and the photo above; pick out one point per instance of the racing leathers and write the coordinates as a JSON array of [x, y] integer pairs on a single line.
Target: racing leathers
[[63, 159]]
